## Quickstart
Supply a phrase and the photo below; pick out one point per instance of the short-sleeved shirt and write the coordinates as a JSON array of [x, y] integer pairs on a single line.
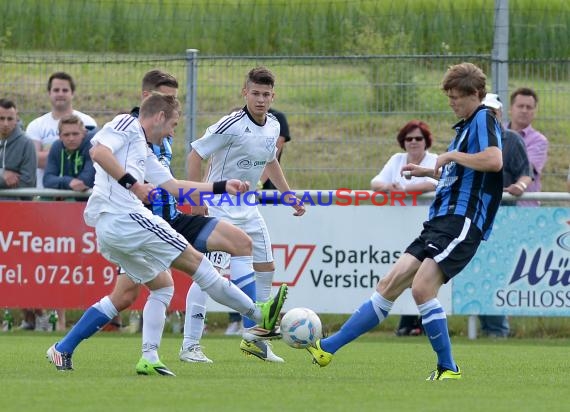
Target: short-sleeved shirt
[[125, 137], [239, 148], [464, 191]]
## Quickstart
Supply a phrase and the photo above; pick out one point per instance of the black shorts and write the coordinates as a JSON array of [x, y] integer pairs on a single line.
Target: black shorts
[[450, 240], [195, 229]]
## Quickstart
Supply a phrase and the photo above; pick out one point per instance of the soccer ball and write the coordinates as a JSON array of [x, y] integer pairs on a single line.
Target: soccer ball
[[300, 327]]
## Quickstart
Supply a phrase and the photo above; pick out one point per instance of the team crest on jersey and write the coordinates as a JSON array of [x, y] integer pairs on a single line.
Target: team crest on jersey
[[270, 144], [140, 163]]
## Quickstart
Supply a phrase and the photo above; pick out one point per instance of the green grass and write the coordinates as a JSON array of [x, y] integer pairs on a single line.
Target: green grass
[[378, 372], [293, 27]]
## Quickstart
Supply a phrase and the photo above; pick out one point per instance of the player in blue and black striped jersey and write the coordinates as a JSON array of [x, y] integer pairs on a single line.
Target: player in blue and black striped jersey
[[461, 216]]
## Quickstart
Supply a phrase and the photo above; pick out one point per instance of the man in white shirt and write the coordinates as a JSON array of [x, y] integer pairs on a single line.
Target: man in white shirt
[[144, 244], [44, 130]]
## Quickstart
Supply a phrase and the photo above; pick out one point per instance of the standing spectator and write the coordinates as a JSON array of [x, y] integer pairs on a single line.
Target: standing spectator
[[69, 165], [516, 178], [415, 138], [17, 155], [44, 130], [461, 216], [524, 102]]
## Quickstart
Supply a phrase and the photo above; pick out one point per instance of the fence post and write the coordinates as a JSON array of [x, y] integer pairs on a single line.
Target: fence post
[[500, 54], [191, 108]]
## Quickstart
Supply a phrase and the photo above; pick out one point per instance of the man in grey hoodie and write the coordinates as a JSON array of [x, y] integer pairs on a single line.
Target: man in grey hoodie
[[18, 160]]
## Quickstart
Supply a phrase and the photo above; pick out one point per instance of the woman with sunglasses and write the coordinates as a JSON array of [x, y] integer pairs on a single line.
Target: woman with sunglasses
[[415, 138]]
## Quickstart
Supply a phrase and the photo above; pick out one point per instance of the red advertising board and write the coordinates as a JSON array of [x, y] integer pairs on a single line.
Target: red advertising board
[[49, 259]]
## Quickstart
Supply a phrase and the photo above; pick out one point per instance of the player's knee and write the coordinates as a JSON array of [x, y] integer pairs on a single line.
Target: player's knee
[[163, 295], [124, 299]]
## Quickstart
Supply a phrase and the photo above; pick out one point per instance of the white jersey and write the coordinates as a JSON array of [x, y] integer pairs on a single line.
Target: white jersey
[[239, 149], [44, 129], [125, 137]]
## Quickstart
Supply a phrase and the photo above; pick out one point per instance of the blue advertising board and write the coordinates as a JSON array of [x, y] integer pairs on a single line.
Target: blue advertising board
[[522, 270]]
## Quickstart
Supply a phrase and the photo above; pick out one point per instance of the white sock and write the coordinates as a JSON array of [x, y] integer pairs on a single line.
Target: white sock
[[263, 283], [154, 316], [195, 315], [106, 307]]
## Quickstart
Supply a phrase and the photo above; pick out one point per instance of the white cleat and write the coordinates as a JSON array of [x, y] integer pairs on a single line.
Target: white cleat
[[194, 354], [260, 349]]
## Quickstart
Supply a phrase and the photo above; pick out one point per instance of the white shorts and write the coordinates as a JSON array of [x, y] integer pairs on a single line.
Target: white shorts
[[141, 243], [257, 231]]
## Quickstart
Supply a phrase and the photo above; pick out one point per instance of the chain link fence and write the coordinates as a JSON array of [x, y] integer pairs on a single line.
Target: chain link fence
[[344, 112]]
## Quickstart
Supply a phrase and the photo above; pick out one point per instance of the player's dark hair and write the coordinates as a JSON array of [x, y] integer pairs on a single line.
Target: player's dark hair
[[153, 79], [61, 76], [260, 75]]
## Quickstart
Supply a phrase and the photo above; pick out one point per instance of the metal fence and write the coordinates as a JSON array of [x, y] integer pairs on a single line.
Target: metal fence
[[344, 112]]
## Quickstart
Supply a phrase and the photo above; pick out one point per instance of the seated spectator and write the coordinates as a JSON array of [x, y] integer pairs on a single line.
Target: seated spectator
[[17, 152], [69, 165], [415, 138]]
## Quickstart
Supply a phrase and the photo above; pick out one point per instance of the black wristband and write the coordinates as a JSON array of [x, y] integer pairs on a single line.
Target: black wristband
[[219, 187], [127, 181]]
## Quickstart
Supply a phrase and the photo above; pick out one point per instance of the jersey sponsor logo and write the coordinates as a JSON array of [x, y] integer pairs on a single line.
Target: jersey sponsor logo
[[244, 164]]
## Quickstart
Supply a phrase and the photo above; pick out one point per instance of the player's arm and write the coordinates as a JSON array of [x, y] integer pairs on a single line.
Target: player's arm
[[275, 174], [183, 188], [488, 160], [104, 157]]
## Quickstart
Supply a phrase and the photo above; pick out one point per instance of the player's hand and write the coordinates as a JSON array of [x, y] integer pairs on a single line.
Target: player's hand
[[234, 186], [142, 191], [295, 203], [199, 211]]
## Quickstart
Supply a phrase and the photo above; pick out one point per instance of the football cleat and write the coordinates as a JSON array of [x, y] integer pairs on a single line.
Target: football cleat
[[256, 333], [144, 367], [271, 309], [441, 374], [261, 350], [320, 357], [61, 360], [194, 354]]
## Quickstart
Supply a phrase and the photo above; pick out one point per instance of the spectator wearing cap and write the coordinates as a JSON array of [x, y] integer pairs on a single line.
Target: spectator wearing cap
[[516, 179]]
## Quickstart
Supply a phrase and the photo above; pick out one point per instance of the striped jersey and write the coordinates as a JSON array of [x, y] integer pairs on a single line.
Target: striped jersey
[[125, 137], [239, 148], [466, 192]]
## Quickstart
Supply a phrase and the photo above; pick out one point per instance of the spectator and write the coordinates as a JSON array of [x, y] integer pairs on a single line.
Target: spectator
[[17, 155], [415, 138], [69, 165], [524, 102], [516, 178], [44, 129]]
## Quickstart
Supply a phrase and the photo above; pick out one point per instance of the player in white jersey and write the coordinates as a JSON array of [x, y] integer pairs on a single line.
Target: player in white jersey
[[44, 130], [143, 244], [240, 146]]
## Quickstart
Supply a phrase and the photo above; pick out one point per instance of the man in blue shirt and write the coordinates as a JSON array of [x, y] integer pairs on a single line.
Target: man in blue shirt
[[462, 214]]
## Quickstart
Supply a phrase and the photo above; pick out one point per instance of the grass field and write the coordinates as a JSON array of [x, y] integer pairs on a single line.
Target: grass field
[[379, 372]]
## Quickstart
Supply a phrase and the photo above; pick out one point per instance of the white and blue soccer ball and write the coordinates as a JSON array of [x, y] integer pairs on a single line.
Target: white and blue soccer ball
[[300, 327]]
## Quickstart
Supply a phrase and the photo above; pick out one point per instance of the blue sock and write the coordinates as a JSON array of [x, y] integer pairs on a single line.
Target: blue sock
[[247, 285], [434, 322], [91, 321], [368, 316]]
